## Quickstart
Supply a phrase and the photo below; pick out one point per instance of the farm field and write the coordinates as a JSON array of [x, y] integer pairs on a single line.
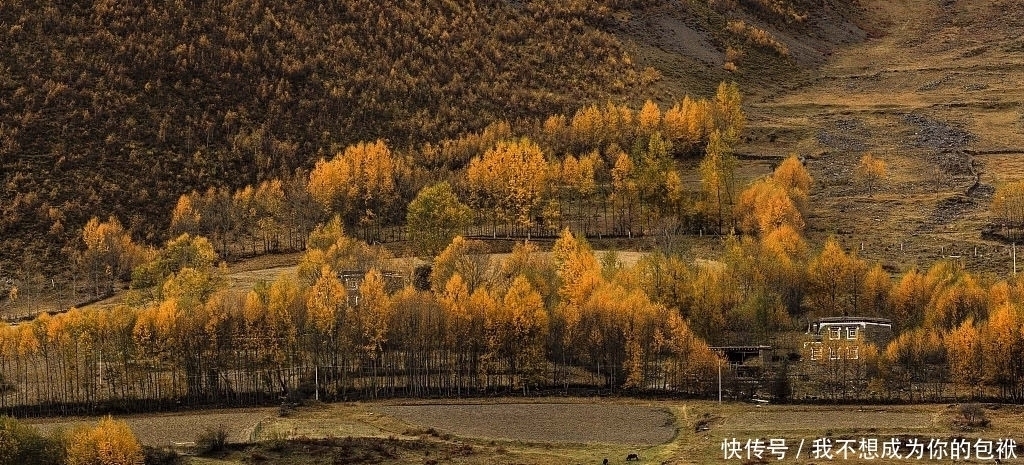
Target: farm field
[[555, 430]]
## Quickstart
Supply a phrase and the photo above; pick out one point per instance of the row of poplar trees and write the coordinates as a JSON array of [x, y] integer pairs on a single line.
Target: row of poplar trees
[[184, 333]]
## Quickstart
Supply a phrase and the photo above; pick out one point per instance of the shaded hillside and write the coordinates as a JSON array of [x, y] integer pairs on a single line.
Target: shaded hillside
[[117, 109], [691, 43]]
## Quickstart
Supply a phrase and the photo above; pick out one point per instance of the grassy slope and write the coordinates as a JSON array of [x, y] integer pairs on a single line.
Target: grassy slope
[[932, 93]]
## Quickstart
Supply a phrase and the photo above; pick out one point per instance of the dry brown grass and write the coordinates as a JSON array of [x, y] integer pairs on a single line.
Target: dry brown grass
[[162, 429], [573, 423], [757, 36], [957, 65], [599, 427]]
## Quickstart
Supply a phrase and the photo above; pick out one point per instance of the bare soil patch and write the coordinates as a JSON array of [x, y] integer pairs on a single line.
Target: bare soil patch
[[625, 424]]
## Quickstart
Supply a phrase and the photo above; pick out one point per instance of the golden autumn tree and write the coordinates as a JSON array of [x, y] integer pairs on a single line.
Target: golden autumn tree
[[110, 254], [910, 297], [831, 276], [681, 126], [464, 322], [784, 254], [329, 315], [577, 178], [587, 129], [111, 442], [372, 316], [178, 254], [792, 175], [877, 288], [649, 119], [727, 111], [187, 214], [619, 125], [766, 206], [466, 258], [519, 331], [1007, 208], [713, 300], [717, 174], [329, 245], [967, 355], [955, 301], [510, 179], [1004, 341], [359, 184], [871, 170], [579, 274]]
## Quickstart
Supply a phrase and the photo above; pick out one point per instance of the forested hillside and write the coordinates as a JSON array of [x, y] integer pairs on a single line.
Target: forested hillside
[[115, 108], [110, 108]]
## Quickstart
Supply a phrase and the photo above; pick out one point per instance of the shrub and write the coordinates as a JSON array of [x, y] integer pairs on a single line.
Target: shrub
[[155, 456], [109, 443], [972, 416], [212, 440], [22, 444], [758, 36]]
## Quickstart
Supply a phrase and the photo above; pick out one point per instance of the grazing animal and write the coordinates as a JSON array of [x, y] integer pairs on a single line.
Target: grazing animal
[[632, 456]]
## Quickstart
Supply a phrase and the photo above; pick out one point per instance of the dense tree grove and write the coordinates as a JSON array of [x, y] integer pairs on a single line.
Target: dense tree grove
[[183, 335], [523, 181], [342, 326]]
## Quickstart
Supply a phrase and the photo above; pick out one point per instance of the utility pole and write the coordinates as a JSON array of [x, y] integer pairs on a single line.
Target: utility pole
[[719, 382]]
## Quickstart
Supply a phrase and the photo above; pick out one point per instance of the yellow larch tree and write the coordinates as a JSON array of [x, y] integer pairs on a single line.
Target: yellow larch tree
[[359, 184], [111, 442], [728, 112], [830, 276], [792, 175], [766, 206], [524, 332], [649, 119], [871, 171], [717, 174], [511, 179]]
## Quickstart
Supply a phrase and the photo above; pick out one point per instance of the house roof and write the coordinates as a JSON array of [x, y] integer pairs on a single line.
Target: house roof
[[854, 319]]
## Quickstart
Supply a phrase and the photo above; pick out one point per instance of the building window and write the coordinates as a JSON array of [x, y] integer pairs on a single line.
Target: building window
[[854, 353], [851, 333], [835, 333], [816, 352], [834, 354]]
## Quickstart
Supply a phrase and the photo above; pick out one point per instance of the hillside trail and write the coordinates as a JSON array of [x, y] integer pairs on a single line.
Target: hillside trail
[[936, 92]]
